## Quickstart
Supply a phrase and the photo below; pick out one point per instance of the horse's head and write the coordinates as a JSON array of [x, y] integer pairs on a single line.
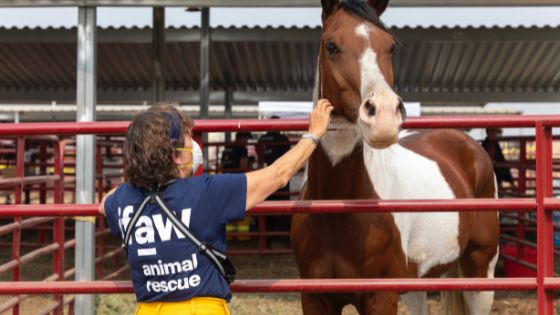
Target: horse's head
[[355, 70]]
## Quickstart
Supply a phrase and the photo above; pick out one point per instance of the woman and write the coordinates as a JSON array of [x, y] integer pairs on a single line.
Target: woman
[[169, 274]]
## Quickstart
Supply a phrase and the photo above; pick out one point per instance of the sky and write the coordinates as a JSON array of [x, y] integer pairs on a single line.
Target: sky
[[140, 17]]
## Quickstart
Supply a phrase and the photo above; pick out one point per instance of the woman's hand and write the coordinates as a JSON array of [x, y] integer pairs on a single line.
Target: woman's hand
[[319, 118]]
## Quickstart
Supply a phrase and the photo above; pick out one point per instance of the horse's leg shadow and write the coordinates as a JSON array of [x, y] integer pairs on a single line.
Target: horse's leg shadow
[[319, 304], [416, 302]]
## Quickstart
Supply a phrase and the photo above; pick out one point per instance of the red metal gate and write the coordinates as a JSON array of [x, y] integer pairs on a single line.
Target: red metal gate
[[543, 204]]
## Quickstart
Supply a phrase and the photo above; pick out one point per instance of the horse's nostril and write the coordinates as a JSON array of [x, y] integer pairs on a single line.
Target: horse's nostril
[[370, 109], [402, 110]]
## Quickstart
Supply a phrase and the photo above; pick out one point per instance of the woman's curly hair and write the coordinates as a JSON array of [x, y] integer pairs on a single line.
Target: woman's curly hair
[[150, 143]]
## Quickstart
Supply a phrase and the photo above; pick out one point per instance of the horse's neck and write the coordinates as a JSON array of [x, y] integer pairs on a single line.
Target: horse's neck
[[348, 179]]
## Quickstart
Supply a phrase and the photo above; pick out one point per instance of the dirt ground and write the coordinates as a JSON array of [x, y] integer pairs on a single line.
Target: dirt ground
[[270, 267]]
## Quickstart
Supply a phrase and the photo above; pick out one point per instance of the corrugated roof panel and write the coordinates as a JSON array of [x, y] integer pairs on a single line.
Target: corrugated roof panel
[[550, 74], [430, 61]]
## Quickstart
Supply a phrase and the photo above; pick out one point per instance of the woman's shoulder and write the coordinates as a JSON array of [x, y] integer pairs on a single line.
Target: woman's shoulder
[[127, 191], [192, 180], [205, 180]]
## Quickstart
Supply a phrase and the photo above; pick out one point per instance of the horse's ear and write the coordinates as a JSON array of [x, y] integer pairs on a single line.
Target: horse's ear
[[328, 7], [379, 5]]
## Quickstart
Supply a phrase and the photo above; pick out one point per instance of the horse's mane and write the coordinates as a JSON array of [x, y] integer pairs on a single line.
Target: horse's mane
[[362, 9]]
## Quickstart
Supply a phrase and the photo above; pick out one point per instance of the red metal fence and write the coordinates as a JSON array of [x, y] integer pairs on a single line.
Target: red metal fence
[[543, 204]]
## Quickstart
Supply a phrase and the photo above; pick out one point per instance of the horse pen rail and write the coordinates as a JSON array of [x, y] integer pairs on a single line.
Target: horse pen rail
[[544, 283]]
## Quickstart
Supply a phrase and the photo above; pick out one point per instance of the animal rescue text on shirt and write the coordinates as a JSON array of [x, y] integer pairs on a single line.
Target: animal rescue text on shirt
[[144, 234]]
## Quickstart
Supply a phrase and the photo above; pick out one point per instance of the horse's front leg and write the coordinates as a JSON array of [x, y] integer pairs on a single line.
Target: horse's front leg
[[319, 304], [379, 303]]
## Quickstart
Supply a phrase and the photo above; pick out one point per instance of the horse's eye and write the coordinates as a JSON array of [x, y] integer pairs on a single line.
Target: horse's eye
[[331, 48], [393, 49]]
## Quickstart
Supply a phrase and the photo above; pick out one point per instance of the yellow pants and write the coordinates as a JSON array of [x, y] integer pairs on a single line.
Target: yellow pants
[[194, 306]]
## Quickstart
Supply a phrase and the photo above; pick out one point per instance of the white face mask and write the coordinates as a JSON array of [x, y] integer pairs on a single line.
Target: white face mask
[[197, 158]]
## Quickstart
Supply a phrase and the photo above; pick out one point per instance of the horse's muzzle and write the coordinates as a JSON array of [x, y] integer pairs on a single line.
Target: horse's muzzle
[[380, 118]]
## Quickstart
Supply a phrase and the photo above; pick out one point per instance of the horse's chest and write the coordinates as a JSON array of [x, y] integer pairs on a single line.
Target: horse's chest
[[427, 239]]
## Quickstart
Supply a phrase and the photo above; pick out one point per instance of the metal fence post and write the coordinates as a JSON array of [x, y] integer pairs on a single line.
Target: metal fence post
[[58, 223], [16, 235], [545, 247], [85, 152]]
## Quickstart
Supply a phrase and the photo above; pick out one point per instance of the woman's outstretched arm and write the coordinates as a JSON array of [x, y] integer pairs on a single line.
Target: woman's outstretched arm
[[264, 182]]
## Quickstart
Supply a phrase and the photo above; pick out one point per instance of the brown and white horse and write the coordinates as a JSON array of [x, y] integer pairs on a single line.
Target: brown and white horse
[[364, 158]]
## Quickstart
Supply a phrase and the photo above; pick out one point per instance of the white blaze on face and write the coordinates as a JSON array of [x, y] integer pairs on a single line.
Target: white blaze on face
[[372, 79], [362, 30]]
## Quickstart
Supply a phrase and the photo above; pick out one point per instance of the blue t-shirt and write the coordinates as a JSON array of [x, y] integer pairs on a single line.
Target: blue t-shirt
[[165, 265]]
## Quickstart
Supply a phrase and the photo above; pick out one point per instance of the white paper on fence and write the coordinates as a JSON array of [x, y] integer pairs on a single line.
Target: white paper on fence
[[302, 109], [413, 109]]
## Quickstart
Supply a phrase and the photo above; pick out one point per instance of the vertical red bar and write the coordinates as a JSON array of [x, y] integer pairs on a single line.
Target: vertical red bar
[[99, 171], [260, 155], [117, 261], [521, 176], [545, 246], [42, 187], [100, 248], [58, 164], [261, 218], [16, 238], [522, 182], [262, 237], [43, 171], [101, 226], [20, 154], [58, 224]]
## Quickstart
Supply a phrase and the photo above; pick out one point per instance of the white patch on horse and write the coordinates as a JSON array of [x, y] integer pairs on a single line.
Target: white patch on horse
[[428, 238], [372, 79], [339, 143]]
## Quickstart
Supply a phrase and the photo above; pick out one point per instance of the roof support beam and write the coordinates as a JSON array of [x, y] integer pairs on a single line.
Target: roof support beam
[[85, 153], [139, 97], [204, 62], [253, 97], [312, 35], [158, 55]]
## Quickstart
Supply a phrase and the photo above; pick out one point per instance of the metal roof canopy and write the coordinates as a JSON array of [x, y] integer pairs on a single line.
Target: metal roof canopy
[[268, 3], [435, 65]]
